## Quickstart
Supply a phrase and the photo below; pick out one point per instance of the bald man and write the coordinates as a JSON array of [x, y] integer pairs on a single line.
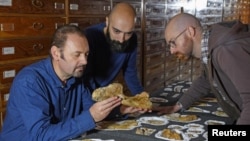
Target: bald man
[[226, 61], [113, 48]]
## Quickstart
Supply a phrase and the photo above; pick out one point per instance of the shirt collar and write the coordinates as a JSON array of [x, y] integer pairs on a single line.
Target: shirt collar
[[53, 74]]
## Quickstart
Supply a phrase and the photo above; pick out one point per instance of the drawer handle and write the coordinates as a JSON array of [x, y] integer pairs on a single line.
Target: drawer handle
[[37, 47], [37, 3], [37, 26]]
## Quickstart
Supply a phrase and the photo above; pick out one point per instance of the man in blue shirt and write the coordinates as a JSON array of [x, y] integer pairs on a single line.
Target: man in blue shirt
[[113, 47], [48, 100]]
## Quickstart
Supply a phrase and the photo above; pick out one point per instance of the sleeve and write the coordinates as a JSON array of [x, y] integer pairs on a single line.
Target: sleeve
[[199, 88], [130, 70], [36, 112], [235, 64]]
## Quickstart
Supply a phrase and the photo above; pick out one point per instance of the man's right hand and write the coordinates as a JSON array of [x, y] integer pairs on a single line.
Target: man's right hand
[[101, 109]]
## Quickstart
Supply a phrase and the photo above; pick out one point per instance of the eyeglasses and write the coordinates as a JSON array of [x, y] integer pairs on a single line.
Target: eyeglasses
[[171, 43]]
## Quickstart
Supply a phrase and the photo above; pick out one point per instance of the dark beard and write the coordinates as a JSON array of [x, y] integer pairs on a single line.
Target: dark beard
[[116, 46]]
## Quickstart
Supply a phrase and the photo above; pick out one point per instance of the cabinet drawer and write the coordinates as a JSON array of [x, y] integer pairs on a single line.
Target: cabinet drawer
[[154, 69], [8, 72], [155, 9], [155, 23], [32, 6], [4, 96], [16, 49], [101, 7], [86, 21], [155, 83], [154, 79], [155, 46], [29, 26], [155, 58], [2, 116], [154, 34]]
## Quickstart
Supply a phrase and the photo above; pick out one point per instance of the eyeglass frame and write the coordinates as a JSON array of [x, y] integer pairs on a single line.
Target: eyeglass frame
[[172, 42]]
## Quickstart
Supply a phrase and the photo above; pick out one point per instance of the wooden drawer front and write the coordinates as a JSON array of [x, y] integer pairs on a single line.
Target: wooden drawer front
[[4, 96], [29, 26], [156, 88], [155, 10], [2, 115], [32, 6], [155, 23], [154, 69], [154, 34], [8, 72], [171, 81], [85, 22], [155, 46], [16, 49], [89, 7], [155, 58], [155, 79]]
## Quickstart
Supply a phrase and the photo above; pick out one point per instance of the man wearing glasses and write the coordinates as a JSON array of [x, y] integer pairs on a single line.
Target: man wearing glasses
[[225, 58]]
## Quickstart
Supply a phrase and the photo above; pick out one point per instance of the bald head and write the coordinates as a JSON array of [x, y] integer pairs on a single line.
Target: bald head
[[179, 22], [123, 15], [183, 35], [123, 9], [120, 23]]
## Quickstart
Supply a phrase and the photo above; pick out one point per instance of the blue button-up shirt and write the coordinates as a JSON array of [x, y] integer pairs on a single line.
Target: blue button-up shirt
[[40, 107]]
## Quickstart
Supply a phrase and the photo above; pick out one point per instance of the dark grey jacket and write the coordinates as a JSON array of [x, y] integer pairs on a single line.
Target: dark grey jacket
[[229, 68]]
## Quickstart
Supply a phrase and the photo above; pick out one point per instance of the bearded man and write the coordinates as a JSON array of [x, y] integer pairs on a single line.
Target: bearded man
[[113, 48]]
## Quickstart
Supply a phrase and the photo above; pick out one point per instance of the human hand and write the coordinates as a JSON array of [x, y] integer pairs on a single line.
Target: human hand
[[133, 110], [101, 109], [166, 109]]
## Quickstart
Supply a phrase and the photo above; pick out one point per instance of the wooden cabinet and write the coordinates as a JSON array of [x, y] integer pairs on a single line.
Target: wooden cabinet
[[89, 7], [26, 29], [154, 45], [32, 7]]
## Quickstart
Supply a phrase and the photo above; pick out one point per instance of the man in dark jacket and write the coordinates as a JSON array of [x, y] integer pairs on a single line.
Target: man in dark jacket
[[226, 61]]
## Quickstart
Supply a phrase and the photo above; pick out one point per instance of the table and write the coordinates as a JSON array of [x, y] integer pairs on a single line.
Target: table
[[172, 93]]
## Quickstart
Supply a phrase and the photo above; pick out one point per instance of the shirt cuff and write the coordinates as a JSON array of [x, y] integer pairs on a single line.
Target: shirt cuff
[[181, 107]]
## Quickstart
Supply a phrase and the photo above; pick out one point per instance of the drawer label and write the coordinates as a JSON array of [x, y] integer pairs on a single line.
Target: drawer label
[[74, 7], [6, 97], [5, 2], [8, 50], [9, 74]]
